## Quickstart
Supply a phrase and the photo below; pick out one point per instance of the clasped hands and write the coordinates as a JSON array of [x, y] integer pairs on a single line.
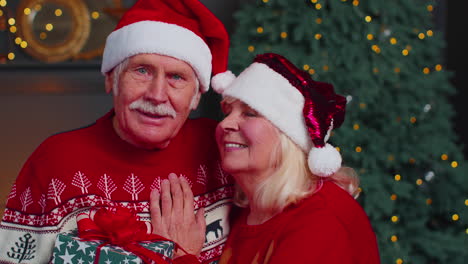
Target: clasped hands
[[173, 217]]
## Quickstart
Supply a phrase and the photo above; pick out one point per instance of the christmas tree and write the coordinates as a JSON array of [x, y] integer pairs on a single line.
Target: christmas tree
[[386, 57]]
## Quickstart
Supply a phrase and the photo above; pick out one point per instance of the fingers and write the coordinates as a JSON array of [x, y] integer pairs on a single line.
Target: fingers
[[166, 200], [177, 198], [200, 219], [157, 222], [188, 197], [155, 210]]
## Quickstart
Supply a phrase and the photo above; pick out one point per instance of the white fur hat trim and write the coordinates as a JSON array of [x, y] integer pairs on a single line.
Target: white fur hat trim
[[159, 38]]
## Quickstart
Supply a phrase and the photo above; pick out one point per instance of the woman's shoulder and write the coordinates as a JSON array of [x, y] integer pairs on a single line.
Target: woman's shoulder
[[331, 203]]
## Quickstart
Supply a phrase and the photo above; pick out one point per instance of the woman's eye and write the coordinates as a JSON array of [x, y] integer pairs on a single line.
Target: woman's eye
[[250, 114]]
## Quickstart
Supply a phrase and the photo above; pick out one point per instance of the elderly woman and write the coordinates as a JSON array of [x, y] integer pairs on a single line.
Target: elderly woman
[[296, 201]]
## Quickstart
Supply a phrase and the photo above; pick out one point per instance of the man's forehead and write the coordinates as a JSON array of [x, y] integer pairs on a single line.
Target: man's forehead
[[158, 58]]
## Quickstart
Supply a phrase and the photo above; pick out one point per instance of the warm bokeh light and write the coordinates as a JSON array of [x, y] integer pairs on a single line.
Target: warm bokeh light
[[95, 15], [49, 27]]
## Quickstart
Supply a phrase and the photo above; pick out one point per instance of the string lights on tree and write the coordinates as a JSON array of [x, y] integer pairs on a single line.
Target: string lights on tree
[[386, 57]]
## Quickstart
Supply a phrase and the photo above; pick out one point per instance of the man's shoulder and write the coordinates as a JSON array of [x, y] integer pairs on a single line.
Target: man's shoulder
[[68, 135], [79, 134], [76, 138]]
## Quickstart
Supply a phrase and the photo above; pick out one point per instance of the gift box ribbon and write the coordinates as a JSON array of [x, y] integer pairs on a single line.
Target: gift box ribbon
[[119, 227]]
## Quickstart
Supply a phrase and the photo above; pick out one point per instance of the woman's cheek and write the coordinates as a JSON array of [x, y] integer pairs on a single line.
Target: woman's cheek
[[257, 132]]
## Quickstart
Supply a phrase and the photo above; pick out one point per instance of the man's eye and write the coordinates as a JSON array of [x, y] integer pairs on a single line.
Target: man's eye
[[142, 70], [176, 77]]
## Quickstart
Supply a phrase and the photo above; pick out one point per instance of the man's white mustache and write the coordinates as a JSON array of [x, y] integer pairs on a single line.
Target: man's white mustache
[[149, 107]]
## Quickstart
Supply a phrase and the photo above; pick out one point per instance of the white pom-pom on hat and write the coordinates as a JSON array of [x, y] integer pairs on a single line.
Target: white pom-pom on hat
[[222, 80], [324, 161]]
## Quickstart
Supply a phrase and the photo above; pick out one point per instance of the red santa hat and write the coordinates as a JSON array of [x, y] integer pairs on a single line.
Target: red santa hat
[[303, 109], [183, 29]]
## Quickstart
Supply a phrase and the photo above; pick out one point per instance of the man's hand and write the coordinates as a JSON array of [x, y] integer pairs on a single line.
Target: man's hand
[[173, 217]]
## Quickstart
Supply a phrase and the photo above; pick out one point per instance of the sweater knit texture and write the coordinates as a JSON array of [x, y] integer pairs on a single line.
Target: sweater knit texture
[[92, 167], [329, 227]]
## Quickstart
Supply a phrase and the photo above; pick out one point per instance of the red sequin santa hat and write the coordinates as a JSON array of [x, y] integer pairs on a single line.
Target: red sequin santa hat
[[303, 109], [183, 29]]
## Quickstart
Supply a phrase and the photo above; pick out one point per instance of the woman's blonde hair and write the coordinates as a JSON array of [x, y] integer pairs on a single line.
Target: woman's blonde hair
[[293, 181]]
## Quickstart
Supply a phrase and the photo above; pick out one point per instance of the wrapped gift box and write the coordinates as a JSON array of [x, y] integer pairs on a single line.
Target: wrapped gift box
[[69, 248]]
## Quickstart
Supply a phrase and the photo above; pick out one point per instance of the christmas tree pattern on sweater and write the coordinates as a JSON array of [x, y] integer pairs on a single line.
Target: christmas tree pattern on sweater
[[91, 167]]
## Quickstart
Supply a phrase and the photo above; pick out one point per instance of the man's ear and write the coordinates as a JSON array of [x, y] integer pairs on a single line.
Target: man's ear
[[196, 100], [109, 81]]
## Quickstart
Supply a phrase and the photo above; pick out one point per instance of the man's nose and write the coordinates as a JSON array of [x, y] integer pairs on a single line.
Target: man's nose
[[157, 89]]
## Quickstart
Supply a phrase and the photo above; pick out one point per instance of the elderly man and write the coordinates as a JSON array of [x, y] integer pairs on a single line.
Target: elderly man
[[157, 62]]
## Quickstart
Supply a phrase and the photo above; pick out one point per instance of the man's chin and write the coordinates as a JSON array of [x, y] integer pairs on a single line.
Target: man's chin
[[154, 144]]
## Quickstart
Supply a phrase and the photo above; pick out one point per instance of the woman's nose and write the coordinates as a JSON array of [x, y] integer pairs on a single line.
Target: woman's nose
[[230, 123]]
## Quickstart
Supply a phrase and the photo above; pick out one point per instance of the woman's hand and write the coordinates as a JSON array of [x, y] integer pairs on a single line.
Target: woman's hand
[[173, 217]]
